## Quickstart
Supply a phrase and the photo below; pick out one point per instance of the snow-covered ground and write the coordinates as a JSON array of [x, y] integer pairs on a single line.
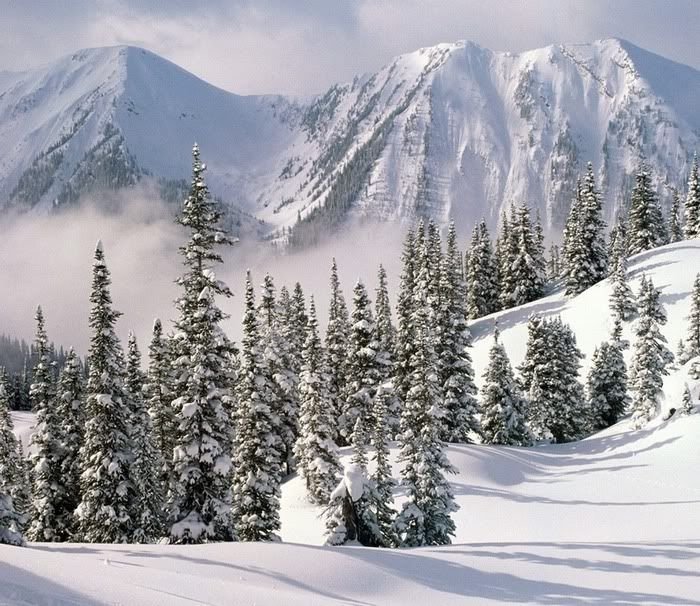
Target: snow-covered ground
[[613, 519]]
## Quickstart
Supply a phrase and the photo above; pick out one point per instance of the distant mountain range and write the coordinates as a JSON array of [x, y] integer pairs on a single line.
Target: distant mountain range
[[451, 131]]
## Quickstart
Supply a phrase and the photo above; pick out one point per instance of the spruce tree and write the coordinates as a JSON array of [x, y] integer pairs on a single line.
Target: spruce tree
[[504, 409], [676, 223], [337, 337], [692, 340], [586, 253], [342, 521], [549, 373], [526, 280], [158, 394], [382, 477], [49, 521], [425, 518], [621, 297], [617, 247], [200, 499], [258, 448], [692, 202], [316, 451], [455, 364], [105, 457], [146, 464], [385, 338], [404, 342], [650, 355], [71, 412], [278, 367], [364, 370], [11, 477], [482, 275], [687, 405], [645, 228], [607, 385]]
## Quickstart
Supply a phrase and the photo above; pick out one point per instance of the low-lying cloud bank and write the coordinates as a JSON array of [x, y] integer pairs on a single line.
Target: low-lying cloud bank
[[47, 260]]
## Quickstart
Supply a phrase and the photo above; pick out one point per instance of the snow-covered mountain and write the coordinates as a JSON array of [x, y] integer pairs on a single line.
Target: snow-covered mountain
[[454, 130]]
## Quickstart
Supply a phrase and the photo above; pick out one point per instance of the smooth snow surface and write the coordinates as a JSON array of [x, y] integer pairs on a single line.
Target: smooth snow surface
[[611, 520]]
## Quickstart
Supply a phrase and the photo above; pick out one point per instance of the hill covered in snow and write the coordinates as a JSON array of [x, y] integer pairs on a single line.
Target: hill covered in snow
[[612, 519], [454, 130]]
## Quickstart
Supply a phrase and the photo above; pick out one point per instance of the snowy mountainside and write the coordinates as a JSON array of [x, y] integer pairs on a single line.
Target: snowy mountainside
[[612, 519], [450, 131]]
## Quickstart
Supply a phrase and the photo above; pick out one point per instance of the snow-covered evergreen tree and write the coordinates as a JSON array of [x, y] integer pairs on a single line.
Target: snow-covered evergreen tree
[[549, 373], [316, 451], [650, 355], [278, 366], [404, 341], [49, 521], [645, 227], [71, 414], [617, 246], [158, 394], [105, 457], [337, 338], [504, 409], [586, 253], [455, 364], [383, 497], [527, 282], [687, 404], [258, 447], [675, 229], [200, 498], [385, 338], [482, 275], [11, 518], [146, 465], [692, 202], [607, 385], [364, 368], [425, 518], [692, 339], [342, 522], [621, 297]]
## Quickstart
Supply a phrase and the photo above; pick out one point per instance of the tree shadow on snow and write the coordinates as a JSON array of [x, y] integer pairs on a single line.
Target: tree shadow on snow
[[18, 586]]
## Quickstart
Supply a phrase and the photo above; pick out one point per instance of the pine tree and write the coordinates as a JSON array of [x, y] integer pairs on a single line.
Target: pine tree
[[549, 373], [455, 364], [692, 202], [146, 465], [382, 478], [607, 385], [200, 500], [316, 451], [342, 523], [650, 356], [621, 297], [71, 413], [646, 229], [482, 275], [692, 340], [687, 406], [504, 407], [617, 247], [510, 248], [105, 457], [337, 337], [49, 520], [385, 338], [158, 393], [364, 370], [278, 367], [425, 517], [676, 224], [586, 253], [258, 448], [527, 281], [404, 341], [11, 519]]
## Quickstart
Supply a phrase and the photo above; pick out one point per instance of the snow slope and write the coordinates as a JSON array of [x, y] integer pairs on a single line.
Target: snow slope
[[613, 519], [450, 131]]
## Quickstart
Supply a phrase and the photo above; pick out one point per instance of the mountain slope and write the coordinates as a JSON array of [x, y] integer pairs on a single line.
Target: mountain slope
[[613, 519], [451, 131]]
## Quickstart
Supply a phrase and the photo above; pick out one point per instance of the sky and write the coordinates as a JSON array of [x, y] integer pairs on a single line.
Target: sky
[[303, 46]]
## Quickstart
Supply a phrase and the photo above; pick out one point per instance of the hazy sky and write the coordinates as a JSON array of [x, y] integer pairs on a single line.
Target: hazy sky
[[302, 46]]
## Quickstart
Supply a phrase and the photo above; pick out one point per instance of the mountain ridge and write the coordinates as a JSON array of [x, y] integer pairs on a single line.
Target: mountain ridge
[[453, 130]]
